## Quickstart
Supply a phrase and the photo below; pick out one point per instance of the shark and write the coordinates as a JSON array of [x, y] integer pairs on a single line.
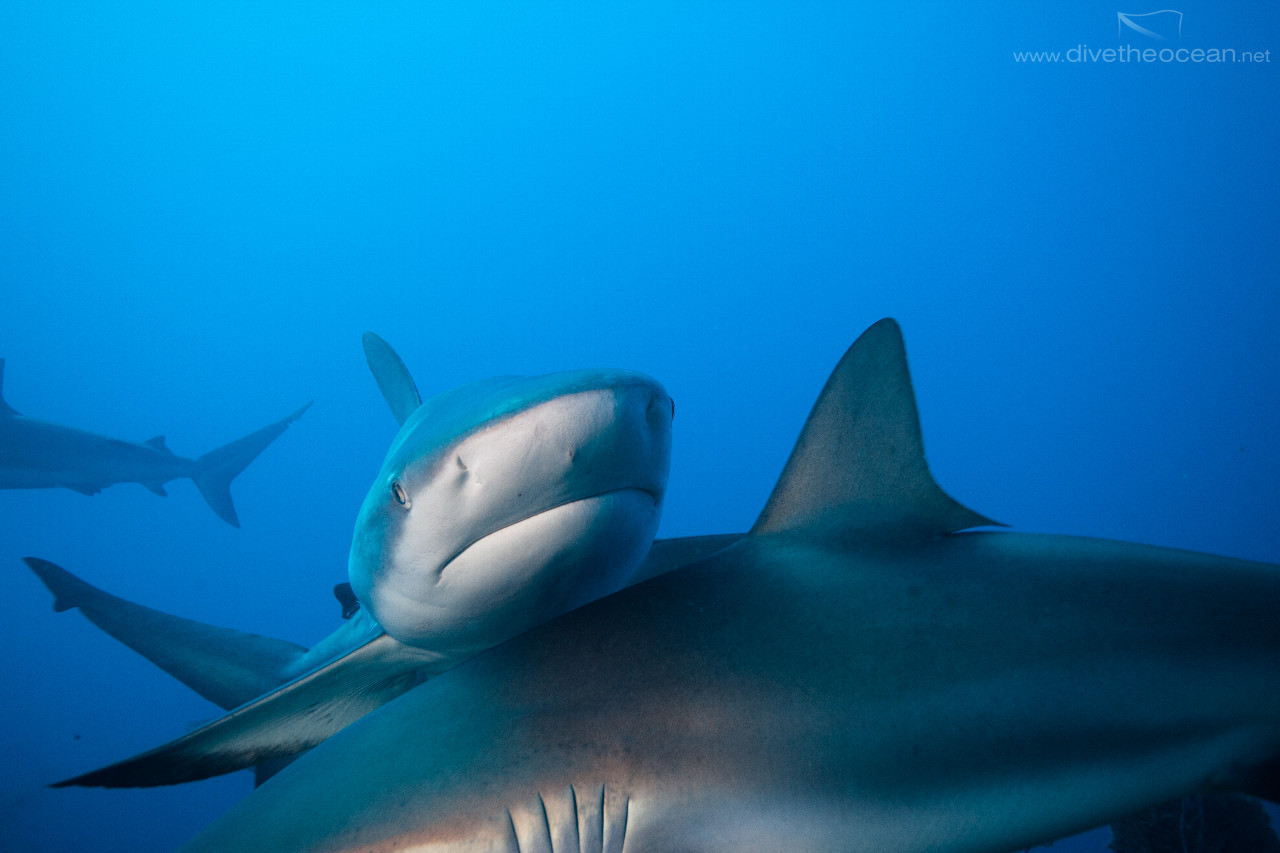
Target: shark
[[233, 668], [499, 505], [39, 454], [871, 668]]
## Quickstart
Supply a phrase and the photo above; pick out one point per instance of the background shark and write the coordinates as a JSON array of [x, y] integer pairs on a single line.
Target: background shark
[[36, 454], [499, 505], [854, 675]]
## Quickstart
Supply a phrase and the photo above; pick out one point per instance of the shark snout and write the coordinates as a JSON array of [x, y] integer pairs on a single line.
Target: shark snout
[[661, 410], [634, 450], [526, 509]]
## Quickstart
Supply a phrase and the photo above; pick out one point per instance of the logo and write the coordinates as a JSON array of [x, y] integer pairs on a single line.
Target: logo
[[1160, 26], [1148, 38]]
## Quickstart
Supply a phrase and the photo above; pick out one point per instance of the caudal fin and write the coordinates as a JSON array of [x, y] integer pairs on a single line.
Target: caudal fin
[[216, 469]]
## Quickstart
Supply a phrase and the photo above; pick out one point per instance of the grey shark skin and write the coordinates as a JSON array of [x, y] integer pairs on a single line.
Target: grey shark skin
[[36, 454], [351, 671], [500, 505], [230, 667], [854, 675]]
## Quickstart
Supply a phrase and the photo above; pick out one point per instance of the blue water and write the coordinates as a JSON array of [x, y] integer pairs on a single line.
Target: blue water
[[203, 206]]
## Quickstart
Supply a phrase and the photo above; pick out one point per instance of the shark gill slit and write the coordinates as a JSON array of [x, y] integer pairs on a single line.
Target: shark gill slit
[[577, 819], [511, 825], [546, 822]]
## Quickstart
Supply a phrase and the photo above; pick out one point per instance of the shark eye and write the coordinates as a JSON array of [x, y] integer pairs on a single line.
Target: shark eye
[[401, 496]]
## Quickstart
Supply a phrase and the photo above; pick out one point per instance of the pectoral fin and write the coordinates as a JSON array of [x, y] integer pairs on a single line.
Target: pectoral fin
[[227, 667], [279, 724]]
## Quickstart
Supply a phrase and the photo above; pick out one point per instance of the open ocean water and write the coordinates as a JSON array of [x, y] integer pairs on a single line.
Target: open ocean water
[[204, 205]]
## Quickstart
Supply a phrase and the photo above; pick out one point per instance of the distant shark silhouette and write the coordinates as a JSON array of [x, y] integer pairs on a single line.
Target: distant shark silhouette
[[36, 454], [500, 505], [854, 675]]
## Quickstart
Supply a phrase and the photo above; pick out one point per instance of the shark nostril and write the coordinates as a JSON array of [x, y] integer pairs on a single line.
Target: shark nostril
[[660, 410]]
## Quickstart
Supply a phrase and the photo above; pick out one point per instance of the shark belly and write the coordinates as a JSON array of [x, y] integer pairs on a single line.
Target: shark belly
[[972, 693]]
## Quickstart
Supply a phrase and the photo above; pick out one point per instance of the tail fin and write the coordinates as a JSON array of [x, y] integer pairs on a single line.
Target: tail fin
[[216, 469]]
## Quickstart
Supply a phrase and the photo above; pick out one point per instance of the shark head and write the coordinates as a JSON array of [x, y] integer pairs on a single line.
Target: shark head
[[508, 501]]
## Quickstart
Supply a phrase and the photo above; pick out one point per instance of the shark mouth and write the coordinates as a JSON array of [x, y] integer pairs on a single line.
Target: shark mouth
[[520, 575], [609, 515]]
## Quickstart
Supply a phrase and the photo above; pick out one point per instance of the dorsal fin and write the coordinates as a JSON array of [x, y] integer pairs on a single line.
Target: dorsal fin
[[157, 443], [858, 466], [5, 408], [393, 378]]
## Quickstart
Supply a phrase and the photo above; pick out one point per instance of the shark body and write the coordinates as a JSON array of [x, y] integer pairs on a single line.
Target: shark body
[[499, 505], [38, 454], [853, 675]]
